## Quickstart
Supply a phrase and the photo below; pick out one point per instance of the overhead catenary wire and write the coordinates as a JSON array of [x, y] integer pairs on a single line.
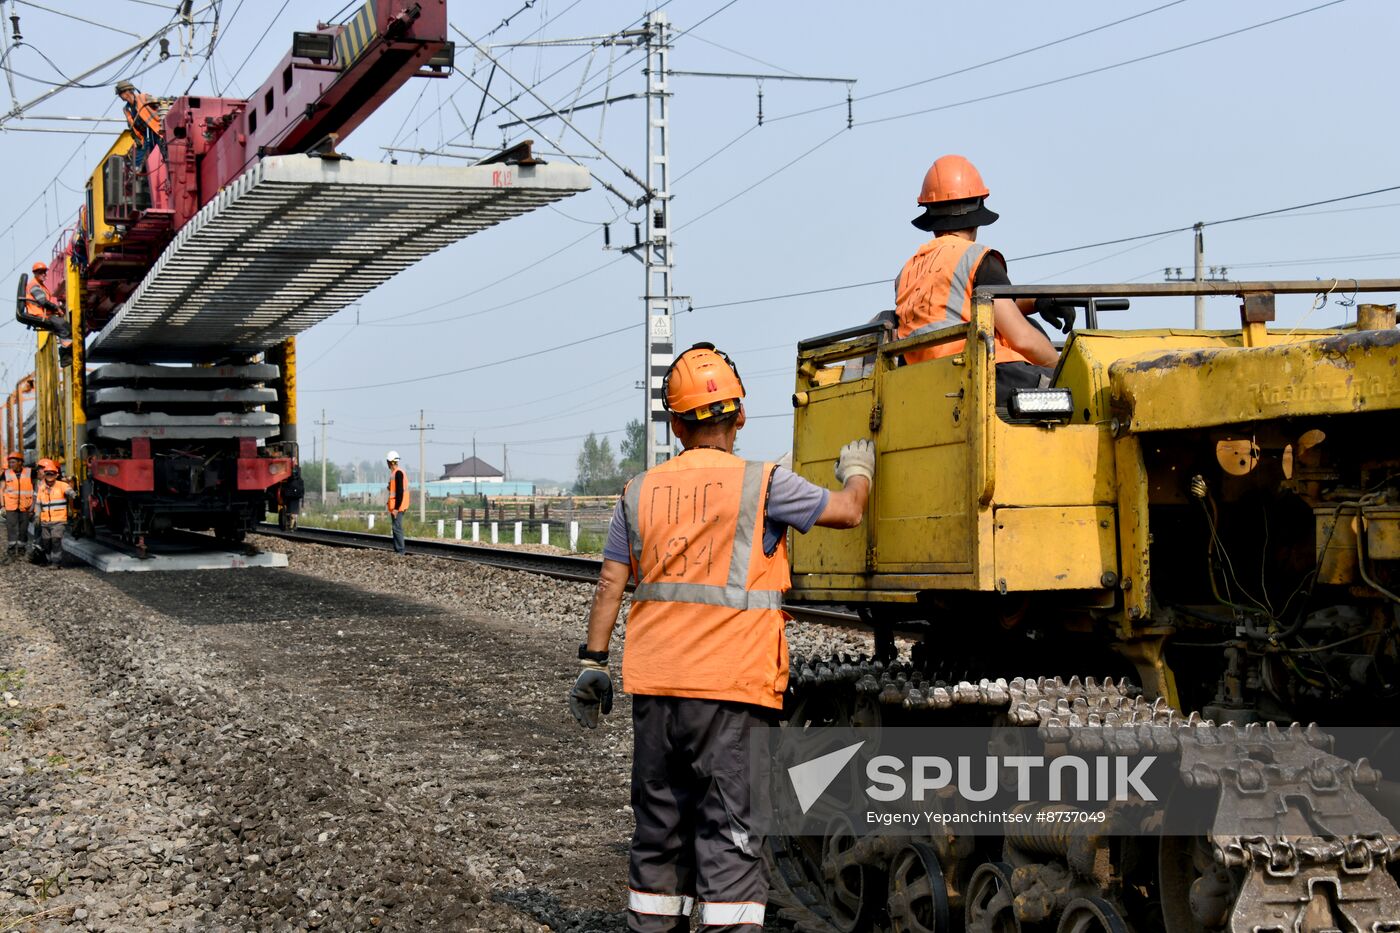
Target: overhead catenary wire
[[1100, 69]]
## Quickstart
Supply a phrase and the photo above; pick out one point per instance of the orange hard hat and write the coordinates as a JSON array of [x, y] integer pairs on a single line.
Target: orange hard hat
[[14, 455], [952, 196], [45, 465], [702, 383], [40, 267]]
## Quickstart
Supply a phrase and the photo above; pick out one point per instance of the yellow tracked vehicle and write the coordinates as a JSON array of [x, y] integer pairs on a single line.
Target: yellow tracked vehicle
[[1214, 515]]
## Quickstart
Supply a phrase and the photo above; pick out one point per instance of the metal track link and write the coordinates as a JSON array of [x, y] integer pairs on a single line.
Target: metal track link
[[1263, 774]]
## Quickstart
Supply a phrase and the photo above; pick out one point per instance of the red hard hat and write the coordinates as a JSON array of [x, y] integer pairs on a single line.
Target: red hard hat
[[952, 178], [40, 267], [702, 383]]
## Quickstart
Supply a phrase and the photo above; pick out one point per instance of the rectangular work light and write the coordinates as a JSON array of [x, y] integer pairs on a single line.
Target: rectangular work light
[[317, 46], [1041, 405]]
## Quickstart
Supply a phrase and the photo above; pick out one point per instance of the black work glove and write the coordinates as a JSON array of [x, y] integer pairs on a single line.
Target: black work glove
[[592, 694], [1059, 316]]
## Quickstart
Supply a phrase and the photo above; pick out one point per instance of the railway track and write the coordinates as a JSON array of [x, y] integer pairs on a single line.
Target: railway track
[[558, 566]]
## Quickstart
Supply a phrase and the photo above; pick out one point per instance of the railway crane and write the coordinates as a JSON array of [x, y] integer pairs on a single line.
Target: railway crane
[[193, 267]]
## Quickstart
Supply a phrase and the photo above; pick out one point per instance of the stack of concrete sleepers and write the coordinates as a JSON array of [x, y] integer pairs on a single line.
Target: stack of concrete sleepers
[[128, 400]]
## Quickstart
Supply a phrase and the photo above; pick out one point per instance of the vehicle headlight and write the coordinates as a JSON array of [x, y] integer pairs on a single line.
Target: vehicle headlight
[[1041, 405]]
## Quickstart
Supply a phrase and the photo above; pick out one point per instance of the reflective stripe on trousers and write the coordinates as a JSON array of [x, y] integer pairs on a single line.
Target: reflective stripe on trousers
[[731, 913], [660, 905]]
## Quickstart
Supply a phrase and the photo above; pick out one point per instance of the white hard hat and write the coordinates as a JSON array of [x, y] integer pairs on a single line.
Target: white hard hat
[[391, 456]]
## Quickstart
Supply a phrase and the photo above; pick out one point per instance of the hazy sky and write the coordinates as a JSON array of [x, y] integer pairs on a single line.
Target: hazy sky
[[1292, 112]]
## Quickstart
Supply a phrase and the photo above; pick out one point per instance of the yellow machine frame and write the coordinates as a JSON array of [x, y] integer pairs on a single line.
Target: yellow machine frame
[[965, 502]]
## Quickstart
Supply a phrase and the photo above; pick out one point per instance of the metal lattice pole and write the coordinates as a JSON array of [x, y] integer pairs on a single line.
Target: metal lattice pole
[[658, 297]]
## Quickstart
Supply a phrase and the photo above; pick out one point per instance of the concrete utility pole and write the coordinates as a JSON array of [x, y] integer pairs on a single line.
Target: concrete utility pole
[[422, 427], [323, 424], [1217, 274], [656, 250]]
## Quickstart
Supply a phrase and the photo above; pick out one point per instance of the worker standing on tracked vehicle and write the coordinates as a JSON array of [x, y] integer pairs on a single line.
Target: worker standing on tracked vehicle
[[51, 501], [144, 121], [934, 289], [398, 500], [704, 536], [19, 504]]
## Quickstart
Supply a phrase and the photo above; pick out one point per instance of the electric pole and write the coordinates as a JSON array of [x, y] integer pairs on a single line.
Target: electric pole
[[654, 247], [1217, 274], [323, 424], [656, 251], [422, 427]]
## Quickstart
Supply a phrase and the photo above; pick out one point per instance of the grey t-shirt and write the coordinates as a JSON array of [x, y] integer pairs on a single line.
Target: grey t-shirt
[[793, 502]]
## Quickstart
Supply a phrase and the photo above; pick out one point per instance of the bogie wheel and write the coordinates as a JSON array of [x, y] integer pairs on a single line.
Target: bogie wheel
[[1091, 915], [990, 904], [918, 899], [852, 897]]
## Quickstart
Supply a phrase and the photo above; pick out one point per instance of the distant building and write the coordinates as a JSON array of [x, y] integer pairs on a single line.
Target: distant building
[[471, 468]]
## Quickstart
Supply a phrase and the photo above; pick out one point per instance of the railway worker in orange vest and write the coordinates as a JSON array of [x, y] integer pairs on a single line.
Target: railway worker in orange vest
[[934, 289], [143, 118], [398, 500], [40, 310], [704, 535], [19, 503], [51, 504]]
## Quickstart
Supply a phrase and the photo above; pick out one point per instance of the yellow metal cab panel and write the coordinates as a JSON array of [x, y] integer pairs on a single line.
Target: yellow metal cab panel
[[102, 235]]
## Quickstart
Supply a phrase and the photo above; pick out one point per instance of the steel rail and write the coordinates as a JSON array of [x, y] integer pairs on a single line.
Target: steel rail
[[558, 566]]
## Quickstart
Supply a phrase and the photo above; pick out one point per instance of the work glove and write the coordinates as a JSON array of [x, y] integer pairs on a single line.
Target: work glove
[[1056, 315], [592, 694], [857, 459]]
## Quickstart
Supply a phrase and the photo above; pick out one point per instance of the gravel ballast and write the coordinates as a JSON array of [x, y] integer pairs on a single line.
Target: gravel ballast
[[358, 742]]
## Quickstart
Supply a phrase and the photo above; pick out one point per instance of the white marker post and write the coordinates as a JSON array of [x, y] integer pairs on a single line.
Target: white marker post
[[573, 536], [457, 530], [440, 531], [519, 530], [476, 532], [371, 521], [544, 533], [494, 537]]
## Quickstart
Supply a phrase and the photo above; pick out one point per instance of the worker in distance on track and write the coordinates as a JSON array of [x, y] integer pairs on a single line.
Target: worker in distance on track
[[704, 535], [398, 500], [51, 507], [18, 493], [934, 289]]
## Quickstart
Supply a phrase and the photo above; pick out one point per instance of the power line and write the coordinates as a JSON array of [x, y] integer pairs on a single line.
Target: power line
[[273, 22], [1099, 70], [991, 61]]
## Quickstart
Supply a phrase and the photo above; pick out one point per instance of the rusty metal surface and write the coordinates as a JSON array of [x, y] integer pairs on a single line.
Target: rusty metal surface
[[1351, 372], [1169, 289]]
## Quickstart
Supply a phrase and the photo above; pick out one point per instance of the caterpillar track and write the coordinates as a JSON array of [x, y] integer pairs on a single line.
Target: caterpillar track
[[1334, 879]]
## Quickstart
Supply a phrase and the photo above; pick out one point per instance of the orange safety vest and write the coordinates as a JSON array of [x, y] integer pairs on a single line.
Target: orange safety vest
[[38, 294], [934, 291], [19, 490], [706, 618], [402, 506], [142, 115], [53, 502]]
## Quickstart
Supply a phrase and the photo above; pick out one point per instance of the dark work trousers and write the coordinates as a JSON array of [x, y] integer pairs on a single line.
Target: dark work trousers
[[17, 528], [396, 529], [691, 780], [1019, 375], [50, 542]]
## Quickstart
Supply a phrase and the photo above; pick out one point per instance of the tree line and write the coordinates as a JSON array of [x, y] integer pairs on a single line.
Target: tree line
[[603, 473]]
